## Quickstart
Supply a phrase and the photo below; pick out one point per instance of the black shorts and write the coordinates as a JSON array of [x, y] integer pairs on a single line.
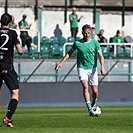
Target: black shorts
[[10, 78]]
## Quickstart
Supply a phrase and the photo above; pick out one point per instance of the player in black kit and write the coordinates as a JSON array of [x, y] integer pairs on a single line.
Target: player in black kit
[[9, 39]]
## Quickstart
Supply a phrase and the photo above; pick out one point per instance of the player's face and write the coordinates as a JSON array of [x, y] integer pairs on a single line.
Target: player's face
[[74, 10], [101, 32], [86, 33]]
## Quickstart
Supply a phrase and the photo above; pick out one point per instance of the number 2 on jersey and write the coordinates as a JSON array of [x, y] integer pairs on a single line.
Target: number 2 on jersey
[[6, 40]]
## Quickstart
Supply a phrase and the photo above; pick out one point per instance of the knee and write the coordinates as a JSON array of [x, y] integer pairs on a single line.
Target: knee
[[85, 88], [95, 89], [15, 94], [85, 85]]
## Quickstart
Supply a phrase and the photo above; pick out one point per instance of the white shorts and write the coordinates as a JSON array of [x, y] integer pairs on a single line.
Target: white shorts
[[90, 75]]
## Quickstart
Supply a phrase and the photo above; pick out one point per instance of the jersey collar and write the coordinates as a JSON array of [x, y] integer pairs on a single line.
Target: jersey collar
[[85, 42]]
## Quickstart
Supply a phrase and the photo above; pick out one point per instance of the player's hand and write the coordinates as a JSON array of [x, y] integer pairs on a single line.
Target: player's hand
[[58, 66], [103, 71], [81, 16]]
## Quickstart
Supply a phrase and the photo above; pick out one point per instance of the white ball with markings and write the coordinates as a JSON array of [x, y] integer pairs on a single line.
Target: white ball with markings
[[96, 111]]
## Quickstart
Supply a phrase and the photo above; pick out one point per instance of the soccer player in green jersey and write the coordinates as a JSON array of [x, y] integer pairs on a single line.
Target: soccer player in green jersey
[[88, 50]]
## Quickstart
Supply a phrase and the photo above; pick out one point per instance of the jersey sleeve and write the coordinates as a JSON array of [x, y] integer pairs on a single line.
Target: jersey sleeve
[[74, 46], [20, 23]]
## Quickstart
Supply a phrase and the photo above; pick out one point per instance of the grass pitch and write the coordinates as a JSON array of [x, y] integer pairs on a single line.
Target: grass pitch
[[70, 119]]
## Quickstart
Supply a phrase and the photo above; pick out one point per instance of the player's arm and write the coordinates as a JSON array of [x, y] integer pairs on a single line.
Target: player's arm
[[26, 27], [19, 49], [101, 59], [68, 54], [21, 26], [72, 19], [80, 18]]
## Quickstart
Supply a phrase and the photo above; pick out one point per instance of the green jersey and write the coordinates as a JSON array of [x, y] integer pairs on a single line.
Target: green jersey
[[13, 25], [24, 24], [118, 39], [73, 24], [87, 53]]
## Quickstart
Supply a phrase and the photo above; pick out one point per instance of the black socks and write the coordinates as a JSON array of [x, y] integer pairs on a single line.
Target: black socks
[[11, 108]]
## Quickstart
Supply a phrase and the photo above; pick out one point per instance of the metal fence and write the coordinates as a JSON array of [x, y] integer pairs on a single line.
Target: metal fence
[[37, 70]]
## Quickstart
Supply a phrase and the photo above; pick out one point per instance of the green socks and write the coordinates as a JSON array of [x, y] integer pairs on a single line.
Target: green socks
[[93, 102], [88, 104]]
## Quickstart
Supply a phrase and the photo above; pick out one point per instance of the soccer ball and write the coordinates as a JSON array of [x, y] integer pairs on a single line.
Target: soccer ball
[[96, 111]]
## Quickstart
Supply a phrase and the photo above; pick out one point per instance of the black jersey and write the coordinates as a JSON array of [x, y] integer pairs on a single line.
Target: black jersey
[[8, 39]]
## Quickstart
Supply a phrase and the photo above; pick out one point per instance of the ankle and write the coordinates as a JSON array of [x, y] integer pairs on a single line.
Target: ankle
[[88, 104]]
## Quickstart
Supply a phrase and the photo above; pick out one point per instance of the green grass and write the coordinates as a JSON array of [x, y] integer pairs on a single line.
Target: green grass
[[70, 119]]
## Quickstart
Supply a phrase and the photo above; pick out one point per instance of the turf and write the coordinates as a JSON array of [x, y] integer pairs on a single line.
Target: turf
[[70, 119]]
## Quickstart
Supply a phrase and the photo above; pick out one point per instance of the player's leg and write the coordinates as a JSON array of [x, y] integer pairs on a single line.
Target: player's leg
[[83, 77], [11, 108], [93, 81], [13, 103], [94, 94], [72, 32], [12, 83], [76, 32], [86, 94], [28, 42], [23, 40]]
